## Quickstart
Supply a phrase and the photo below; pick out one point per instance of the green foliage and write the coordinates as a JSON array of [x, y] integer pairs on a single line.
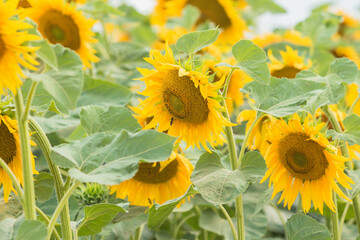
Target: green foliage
[[44, 186], [352, 130], [30, 230], [253, 166], [262, 6], [303, 227], [192, 42], [47, 54]]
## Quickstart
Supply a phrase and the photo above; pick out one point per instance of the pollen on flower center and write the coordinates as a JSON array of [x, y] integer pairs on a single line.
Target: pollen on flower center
[[60, 28], [288, 72], [2, 47], [148, 173], [7, 144], [302, 157], [183, 100], [213, 11]]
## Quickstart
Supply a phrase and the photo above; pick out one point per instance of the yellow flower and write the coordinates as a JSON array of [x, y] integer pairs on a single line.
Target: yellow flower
[[290, 65], [10, 153], [257, 138], [159, 17], [290, 36], [59, 22], [348, 52], [181, 102], [169, 36], [351, 95], [12, 51], [301, 160], [221, 12], [156, 182], [23, 4]]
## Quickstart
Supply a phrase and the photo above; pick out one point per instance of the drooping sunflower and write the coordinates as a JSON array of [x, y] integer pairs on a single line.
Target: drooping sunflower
[[290, 65], [181, 102], [156, 182], [13, 54], [60, 22], [301, 160], [11, 154], [221, 12], [290, 36]]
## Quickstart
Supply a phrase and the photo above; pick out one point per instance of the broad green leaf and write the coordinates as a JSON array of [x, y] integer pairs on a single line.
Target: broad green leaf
[[215, 183], [192, 42], [159, 213], [321, 60], [262, 6], [253, 166], [30, 230], [190, 15], [352, 130], [345, 69], [8, 228], [355, 188], [111, 159], [282, 97], [57, 122], [256, 225], [263, 200], [96, 217], [210, 220], [103, 93], [58, 91], [47, 54], [124, 230], [44, 186], [110, 120], [303, 227], [252, 60]]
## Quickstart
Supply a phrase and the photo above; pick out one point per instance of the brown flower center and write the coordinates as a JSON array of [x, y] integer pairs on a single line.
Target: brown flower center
[[148, 173], [7, 144], [60, 28], [288, 72], [2, 47], [302, 157], [213, 11], [23, 4], [183, 100]]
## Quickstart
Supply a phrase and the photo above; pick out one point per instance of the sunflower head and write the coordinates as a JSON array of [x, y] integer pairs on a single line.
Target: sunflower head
[[181, 102], [156, 182], [10, 153], [348, 52], [290, 36], [291, 63], [301, 160], [91, 193], [60, 22]]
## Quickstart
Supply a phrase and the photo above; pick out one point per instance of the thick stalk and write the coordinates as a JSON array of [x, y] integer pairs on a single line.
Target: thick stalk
[[335, 220], [44, 144], [345, 152], [60, 207], [228, 218], [29, 192]]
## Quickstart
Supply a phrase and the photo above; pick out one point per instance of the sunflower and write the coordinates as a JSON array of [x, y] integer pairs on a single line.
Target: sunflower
[[181, 102], [156, 182], [347, 24], [301, 160], [290, 36], [221, 12], [348, 52], [290, 65], [23, 4], [10, 153], [158, 17], [168, 36], [351, 95], [257, 138], [59, 22], [12, 50]]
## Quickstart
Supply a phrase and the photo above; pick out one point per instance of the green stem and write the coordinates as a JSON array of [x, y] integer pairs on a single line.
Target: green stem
[[342, 220], [228, 218], [280, 215], [29, 100], [27, 168], [335, 220], [46, 219], [138, 232], [345, 152], [43, 142], [59, 208], [14, 180], [227, 81], [179, 225]]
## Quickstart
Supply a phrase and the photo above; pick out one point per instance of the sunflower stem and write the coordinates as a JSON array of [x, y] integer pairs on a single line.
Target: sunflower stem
[[179, 225], [138, 232], [343, 216], [27, 168], [46, 219], [228, 218], [335, 220], [61, 204], [14, 180], [29, 100], [227, 82], [345, 152], [43, 142]]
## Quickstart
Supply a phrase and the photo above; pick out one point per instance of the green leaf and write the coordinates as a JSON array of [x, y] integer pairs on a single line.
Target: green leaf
[[282, 97], [263, 6], [58, 91], [252, 60], [352, 130], [111, 159], [355, 188], [110, 120], [253, 166], [256, 225], [8, 228], [345, 69], [211, 221], [303, 227], [215, 183], [30, 230], [47, 54], [263, 200], [44, 186], [159, 213], [103, 93], [192, 42], [57, 122], [96, 217]]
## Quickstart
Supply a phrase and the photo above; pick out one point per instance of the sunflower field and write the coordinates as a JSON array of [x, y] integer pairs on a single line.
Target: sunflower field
[[185, 123]]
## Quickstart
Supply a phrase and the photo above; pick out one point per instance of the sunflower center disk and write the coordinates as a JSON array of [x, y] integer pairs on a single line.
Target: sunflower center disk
[[213, 11], [302, 157], [2, 47], [288, 72], [7, 144], [148, 173], [183, 100], [60, 28]]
